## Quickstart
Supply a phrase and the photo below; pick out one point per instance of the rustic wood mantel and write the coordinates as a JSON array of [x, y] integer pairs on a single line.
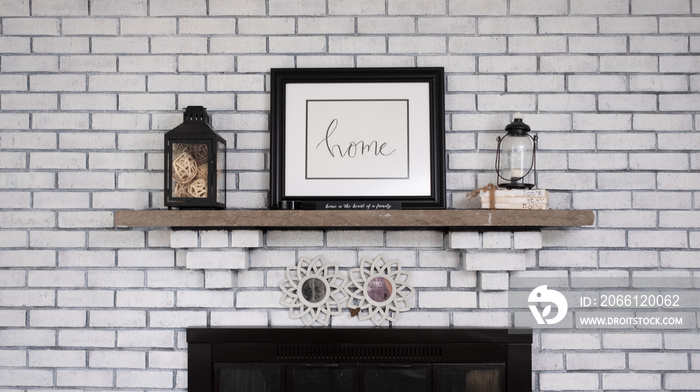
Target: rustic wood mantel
[[325, 219]]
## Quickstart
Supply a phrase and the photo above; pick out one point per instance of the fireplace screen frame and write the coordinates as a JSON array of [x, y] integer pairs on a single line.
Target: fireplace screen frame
[[502, 348]]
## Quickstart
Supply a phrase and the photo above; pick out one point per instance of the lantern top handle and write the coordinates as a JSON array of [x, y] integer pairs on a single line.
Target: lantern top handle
[[196, 113], [518, 127]]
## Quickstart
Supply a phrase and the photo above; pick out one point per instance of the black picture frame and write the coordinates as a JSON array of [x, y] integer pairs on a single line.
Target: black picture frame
[[392, 115]]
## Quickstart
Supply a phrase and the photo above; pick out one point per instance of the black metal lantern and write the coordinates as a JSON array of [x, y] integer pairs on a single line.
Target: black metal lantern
[[195, 163], [515, 156]]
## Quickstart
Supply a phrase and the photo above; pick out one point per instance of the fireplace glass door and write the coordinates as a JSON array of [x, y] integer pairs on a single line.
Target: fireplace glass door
[[359, 378]]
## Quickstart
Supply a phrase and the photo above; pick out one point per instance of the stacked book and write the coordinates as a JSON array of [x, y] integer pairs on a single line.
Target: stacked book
[[516, 199]]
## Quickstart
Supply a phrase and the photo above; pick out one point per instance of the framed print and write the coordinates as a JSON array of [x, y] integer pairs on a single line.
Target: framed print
[[357, 138]]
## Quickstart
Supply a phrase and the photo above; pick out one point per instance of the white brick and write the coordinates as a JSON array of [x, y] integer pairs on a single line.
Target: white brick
[[568, 258], [86, 338], [507, 64], [26, 377], [258, 299], [658, 361], [570, 341], [627, 219], [585, 83], [628, 64], [246, 238], [496, 260], [537, 44], [527, 240], [417, 239], [239, 318], [27, 337], [145, 338], [628, 25], [569, 381], [674, 381], [117, 359], [145, 299], [178, 319], [635, 341], [118, 318], [567, 25], [528, 83], [220, 259], [597, 7], [85, 298], [494, 280], [464, 240], [595, 361], [218, 279], [438, 300], [62, 8], [631, 381], [650, 7], [496, 240], [199, 299], [570, 63], [547, 7]]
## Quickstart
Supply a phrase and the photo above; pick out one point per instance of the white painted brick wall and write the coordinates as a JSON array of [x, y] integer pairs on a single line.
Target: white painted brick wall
[[87, 89]]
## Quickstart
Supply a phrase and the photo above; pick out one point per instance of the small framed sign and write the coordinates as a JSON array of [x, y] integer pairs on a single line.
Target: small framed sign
[[357, 138]]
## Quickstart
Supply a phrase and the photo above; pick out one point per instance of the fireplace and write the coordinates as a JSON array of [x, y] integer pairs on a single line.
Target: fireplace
[[366, 360]]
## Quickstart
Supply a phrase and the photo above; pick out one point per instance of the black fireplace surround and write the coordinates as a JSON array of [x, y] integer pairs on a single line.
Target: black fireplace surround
[[364, 360]]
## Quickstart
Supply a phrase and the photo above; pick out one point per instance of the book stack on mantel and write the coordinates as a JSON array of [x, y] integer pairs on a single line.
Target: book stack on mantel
[[516, 199]]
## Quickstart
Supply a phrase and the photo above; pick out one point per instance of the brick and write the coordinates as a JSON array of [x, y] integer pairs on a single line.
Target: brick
[[567, 25], [477, 44], [568, 381], [507, 64], [118, 318], [85, 298], [680, 24], [602, 122], [630, 63], [218, 279], [506, 102], [584, 238], [631, 381], [93, 26], [71, 121], [326, 25], [354, 238], [56, 279], [199, 299], [628, 25], [438, 300], [662, 122], [145, 258], [627, 219], [537, 44], [109, 279], [83, 258], [29, 101], [178, 319], [530, 83], [26, 377], [602, 200], [30, 26], [258, 299], [111, 239], [150, 64], [650, 7], [88, 63], [57, 160], [167, 360], [570, 63], [585, 83], [14, 8], [57, 318], [568, 258], [239, 318], [679, 219], [27, 258], [57, 83], [145, 338], [595, 361], [643, 44], [145, 299], [124, 8], [476, 83], [635, 341], [422, 239], [61, 8], [27, 337], [13, 358], [85, 180], [658, 361], [626, 180], [496, 240], [496, 260], [27, 219], [80, 140], [566, 102], [114, 359], [557, 181], [494, 281], [678, 181], [570, 341], [599, 7], [61, 45], [506, 26], [86, 338], [675, 381], [232, 259], [658, 239]]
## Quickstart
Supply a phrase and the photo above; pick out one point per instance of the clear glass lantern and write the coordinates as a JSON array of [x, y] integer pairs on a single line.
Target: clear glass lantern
[[195, 163], [516, 156]]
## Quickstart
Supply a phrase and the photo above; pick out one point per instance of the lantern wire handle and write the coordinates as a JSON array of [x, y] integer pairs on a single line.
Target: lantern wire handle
[[498, 158]]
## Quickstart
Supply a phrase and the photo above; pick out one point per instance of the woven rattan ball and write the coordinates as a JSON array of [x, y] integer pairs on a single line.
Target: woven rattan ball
[[184, 168], [198, 188], [179, 148], [202, 172], [199, 152], [181, 190]]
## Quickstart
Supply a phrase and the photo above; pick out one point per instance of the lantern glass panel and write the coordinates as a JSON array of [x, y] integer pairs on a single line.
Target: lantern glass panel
[[516, 162], [189, 170], [220, 176]]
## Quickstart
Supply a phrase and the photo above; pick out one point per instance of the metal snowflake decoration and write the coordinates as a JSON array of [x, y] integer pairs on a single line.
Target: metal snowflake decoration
[[379, 290], [313, 291]]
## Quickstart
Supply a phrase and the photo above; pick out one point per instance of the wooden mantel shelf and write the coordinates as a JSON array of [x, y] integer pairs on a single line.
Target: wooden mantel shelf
[[325, 219]]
